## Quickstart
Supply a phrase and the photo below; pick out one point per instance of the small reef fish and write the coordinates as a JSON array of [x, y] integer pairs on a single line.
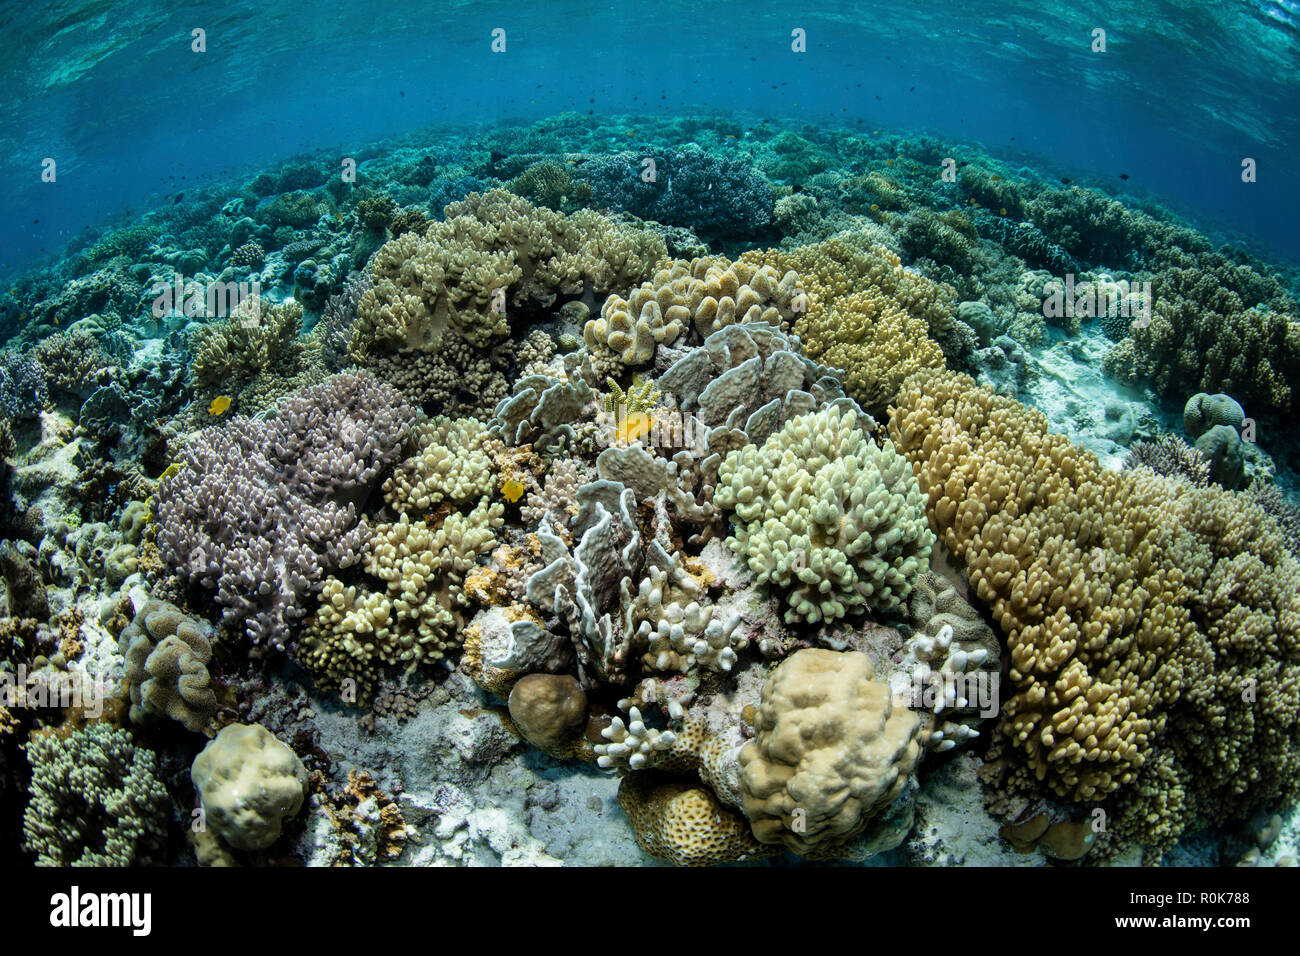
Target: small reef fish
[[633, 427], [171, 471], [512, 491], [219, 405]]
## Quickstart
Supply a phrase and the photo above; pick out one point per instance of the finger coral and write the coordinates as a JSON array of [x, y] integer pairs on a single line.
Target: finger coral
[[833, 521], [96, 799], [864, 313], [1138, 611], [1218, 328]]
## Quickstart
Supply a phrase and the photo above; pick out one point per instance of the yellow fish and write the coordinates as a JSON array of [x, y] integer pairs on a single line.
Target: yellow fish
[[633, 427], [1003, 211], [512, 491], [171, 471], [219, 405]]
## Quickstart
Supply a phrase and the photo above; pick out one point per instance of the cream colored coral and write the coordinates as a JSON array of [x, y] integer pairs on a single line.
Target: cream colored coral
[[248, 783], [831, 749], [414, 619], [632, 744], [448, 465], [830, 518], [676, 625], [706, 293]]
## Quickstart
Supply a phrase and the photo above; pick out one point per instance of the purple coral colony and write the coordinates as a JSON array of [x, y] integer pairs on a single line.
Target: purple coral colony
[[632, 488]]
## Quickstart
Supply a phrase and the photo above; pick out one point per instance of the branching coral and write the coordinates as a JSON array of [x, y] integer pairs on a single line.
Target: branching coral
[[253, 337], [417, 617], [1137, 609], [96, 799], [1205, 332], [830, 519], [865, 314], [260, 511], [449, 464]]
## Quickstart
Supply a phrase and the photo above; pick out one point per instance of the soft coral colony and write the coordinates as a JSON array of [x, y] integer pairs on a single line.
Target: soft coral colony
[[705, 490]]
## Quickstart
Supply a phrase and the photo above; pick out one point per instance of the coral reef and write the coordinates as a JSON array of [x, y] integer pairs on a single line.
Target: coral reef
[[533, 508]]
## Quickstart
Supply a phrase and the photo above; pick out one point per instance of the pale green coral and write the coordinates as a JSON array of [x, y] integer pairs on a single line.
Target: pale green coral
[[249, 782], [96, 799], [415, 619], [826, 515], [449, 465]]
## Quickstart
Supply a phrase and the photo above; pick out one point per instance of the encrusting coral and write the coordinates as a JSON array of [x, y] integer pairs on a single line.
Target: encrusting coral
[[831, 750], [248, 784]]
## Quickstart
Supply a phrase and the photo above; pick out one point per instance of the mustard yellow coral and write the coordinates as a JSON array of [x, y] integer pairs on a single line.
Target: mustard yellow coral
[[1153, 627], [685, 824], [865, 313]]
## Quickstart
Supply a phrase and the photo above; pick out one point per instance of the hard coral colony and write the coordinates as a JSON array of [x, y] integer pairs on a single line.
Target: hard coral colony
[[765, 510]]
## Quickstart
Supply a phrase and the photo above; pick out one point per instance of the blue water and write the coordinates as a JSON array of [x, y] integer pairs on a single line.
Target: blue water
[[113, 93]]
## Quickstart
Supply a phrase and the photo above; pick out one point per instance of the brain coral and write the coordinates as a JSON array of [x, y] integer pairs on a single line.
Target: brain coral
[[684, 823], [831, 750], [866, 314], [826, 515], [1153, 625], [248, 783]]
